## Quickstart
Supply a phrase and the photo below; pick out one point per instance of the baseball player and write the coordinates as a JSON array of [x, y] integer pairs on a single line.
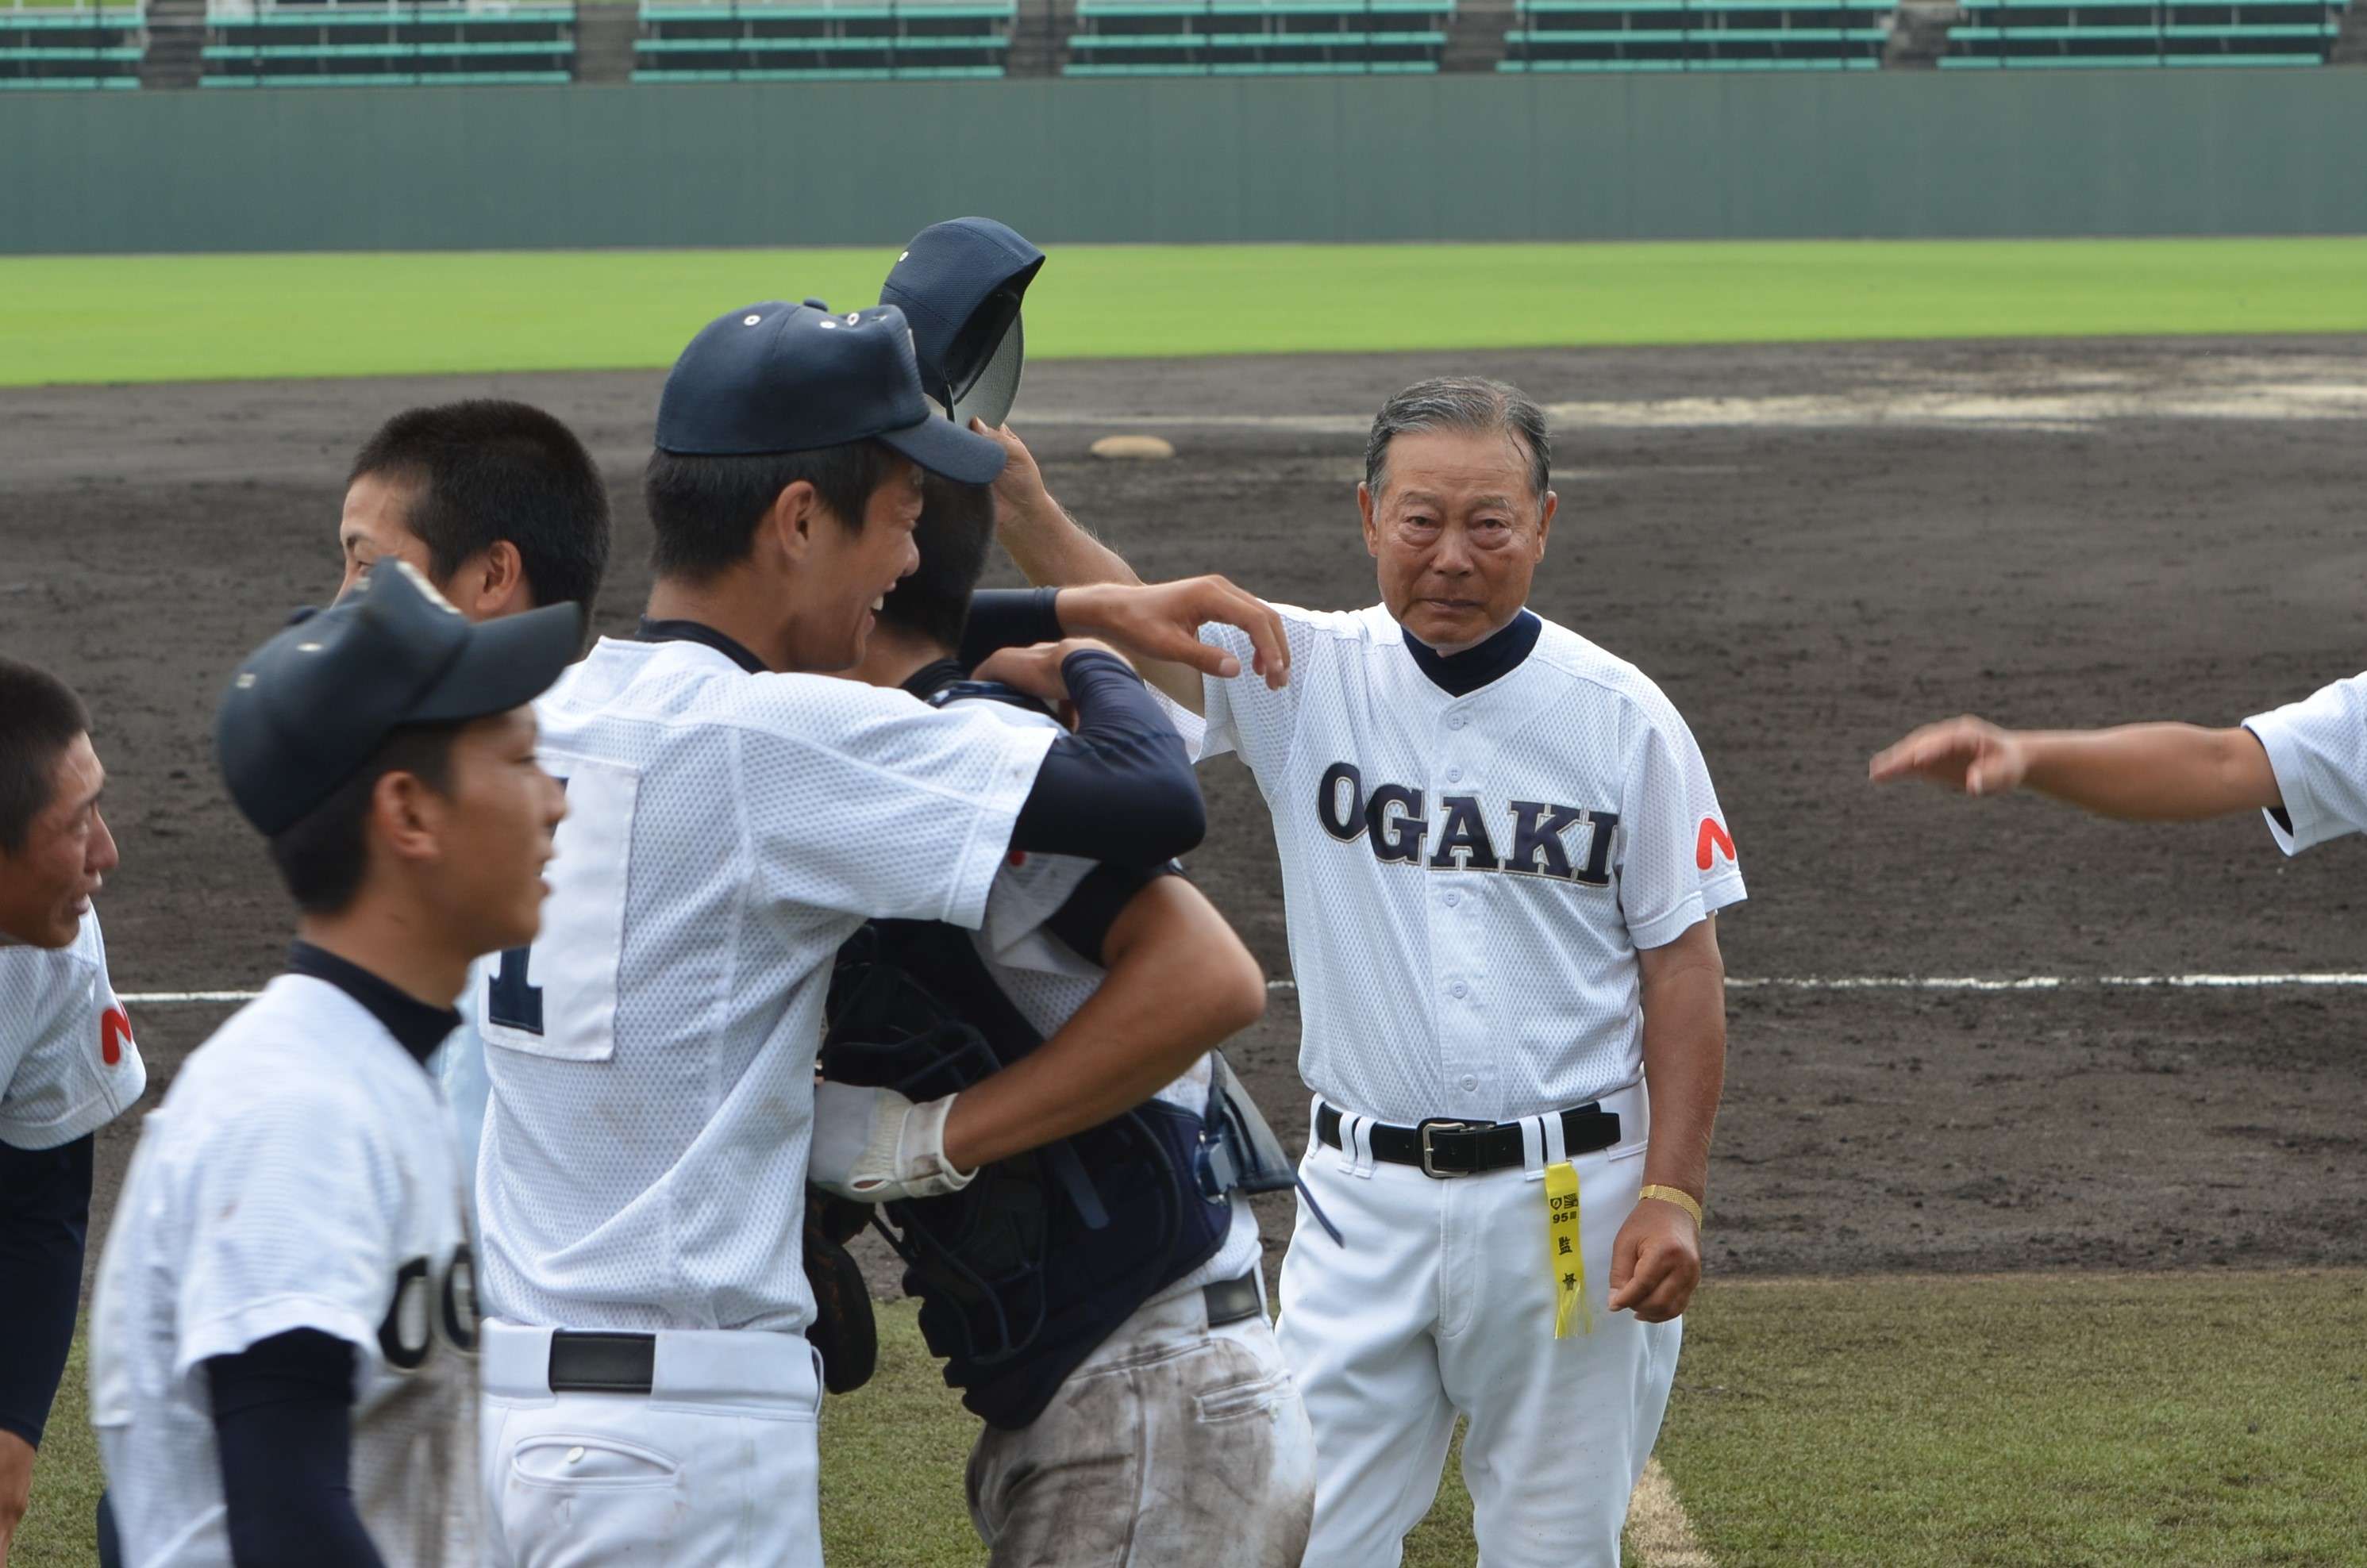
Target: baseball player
[[2303, 766], [500, 507], [1501, 858], [280, 1338], [648, 1389], [1098, 1301], [67, 1062]]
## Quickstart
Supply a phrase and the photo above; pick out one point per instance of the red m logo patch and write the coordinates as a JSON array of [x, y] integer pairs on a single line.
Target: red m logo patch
[[1713, 836]]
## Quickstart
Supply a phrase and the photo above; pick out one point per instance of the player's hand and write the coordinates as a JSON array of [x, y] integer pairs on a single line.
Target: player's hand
[[1162, 621], [15, 1486], [1036, 670], [1655, 1262], [874, 1145], [1969, 755], [1019, 489]]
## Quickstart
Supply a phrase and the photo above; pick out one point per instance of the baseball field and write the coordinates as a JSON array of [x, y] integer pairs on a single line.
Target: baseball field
[[2035, 1230]]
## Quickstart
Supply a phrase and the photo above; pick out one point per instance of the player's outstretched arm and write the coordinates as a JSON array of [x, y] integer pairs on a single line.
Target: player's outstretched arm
[[1157, 625], [44, 1214], [2138, 773], [1180, 982], [1656, 1260]]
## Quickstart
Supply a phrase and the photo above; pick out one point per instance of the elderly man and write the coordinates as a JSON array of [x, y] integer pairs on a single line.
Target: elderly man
[[1502, 856], [67, 1063]]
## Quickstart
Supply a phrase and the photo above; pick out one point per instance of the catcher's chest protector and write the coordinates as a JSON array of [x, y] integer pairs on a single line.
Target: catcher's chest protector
[[1025, 1271]]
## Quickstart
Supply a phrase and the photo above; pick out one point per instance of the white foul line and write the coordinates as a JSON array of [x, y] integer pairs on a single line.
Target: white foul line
[[1733, 983], [1658, 1532]]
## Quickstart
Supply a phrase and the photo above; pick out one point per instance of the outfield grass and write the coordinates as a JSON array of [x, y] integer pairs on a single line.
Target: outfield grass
[[81, 319], [2175, 1421]]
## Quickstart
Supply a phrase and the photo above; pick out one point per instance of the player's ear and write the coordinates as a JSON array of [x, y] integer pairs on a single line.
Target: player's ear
[[790, 523], [407, 815], [502, 589], [1367, 504], [1544, 521]]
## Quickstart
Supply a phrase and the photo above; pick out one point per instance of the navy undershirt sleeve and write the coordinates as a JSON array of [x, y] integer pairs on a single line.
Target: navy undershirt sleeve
[[283, 1420], [1084, 921], [1008, 617], [44, 1217], [1119, 789]]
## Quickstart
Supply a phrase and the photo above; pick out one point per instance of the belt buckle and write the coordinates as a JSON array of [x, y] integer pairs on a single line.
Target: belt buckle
[[1430, 1151]]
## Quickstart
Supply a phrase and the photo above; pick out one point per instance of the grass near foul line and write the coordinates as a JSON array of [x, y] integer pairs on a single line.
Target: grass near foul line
[[97, 319], [2178, 1421]]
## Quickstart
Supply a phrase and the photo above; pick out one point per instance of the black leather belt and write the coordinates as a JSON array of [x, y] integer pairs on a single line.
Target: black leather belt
[[1230, 1301], [584, 1362], [1443, 1147], [602, 1363]]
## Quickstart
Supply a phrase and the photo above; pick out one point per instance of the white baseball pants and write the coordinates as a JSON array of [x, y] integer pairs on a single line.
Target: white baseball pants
[[717, 1465], [1442, 1303]]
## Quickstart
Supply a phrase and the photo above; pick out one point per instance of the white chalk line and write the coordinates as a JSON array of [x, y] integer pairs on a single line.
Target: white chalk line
[[1659, 1531], [1734, 982]]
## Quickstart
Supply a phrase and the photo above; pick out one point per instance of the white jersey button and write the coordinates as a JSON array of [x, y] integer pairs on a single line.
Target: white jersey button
[[1455, 775], [1470, 1084], [1452, 899], [1458, 721], [1458, 988]]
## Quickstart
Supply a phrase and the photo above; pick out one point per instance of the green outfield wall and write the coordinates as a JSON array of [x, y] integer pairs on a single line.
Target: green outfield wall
[[1482, 157]]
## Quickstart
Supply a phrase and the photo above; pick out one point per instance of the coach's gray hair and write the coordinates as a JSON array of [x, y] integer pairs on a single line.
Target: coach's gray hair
[[1461, 402]]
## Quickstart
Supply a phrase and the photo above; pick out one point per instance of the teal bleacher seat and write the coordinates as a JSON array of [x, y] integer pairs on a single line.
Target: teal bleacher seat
[[1698, 35], [334, 43], [72, 46], [860, 41], [1257, 37], [2097, 34]]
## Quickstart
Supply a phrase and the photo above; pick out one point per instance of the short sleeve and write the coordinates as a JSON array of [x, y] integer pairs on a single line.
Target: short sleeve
[[1242, 714], [1677, 862], [68, 1064], [871, 803], [2317, 749], [292, 1212], [1027, 894]]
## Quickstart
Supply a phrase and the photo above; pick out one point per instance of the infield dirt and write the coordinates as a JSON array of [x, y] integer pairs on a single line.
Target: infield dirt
[[1810, 549]]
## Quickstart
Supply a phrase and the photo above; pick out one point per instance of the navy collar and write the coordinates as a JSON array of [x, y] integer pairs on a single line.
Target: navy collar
[[930, 679], [1460, 674], [416, 1027], [704, 636]]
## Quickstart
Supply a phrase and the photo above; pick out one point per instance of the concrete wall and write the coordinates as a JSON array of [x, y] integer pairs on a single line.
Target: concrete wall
[[1476, 157]]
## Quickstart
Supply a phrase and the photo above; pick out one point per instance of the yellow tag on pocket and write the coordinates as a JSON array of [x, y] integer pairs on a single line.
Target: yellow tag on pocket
[[1565, 1251]]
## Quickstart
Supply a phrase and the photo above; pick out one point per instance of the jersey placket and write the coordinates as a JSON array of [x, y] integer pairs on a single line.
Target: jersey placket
[[1456, 902]]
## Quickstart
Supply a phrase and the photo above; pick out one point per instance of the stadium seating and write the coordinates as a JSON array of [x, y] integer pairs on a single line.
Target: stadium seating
[[344, 43], [2095, 33], [71, 46], [1250, 37], [683, 41], [1698, 35]]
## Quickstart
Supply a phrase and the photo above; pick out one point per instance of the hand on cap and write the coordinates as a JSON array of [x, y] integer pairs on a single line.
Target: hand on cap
[[1969, 755], [1162, 621], [1020, 490]]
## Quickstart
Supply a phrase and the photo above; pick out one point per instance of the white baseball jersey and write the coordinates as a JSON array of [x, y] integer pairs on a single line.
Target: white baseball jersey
[[1047, 981], [652, 1058], [300, 1175], [2318, 748], [68, 1065], [1466, 880]]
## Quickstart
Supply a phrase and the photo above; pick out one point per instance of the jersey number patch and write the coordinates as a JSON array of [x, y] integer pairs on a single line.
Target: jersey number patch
[[558, 997]]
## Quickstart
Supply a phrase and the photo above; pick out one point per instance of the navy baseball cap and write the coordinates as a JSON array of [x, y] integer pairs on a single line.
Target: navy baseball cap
[[960, 283], [779, 378], [310, 708]]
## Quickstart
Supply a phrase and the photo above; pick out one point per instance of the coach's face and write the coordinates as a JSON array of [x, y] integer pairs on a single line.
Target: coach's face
[[1457, 530], [846, 571], [45, 885]]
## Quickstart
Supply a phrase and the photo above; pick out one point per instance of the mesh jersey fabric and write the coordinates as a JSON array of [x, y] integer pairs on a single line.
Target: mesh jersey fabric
[[1466, 880], [68, 1064], [2318, 748], [299, 1174], [1047, 981], [644, 1157]]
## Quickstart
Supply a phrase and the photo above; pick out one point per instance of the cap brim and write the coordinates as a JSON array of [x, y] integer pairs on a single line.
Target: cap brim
[[989, 397], [947, 450], [504, 664]]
